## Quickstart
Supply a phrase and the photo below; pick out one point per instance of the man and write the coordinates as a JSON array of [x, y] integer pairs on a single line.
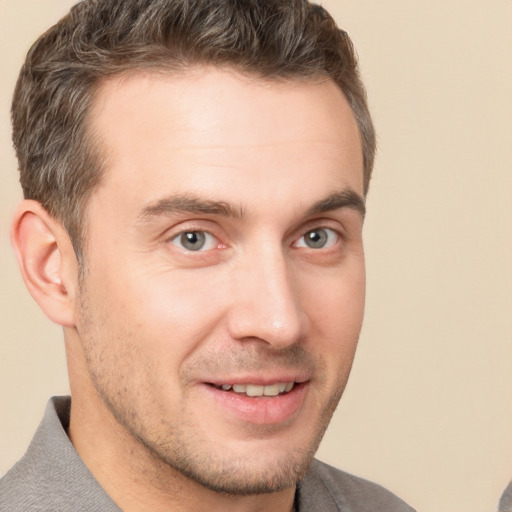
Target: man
[[195, 175]]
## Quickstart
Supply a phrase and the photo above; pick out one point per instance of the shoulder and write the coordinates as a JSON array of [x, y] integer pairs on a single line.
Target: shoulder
[[20, 487], [325, 488], [51, 475], [505, 504]]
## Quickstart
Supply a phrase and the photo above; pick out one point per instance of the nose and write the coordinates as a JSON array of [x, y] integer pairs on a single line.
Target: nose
[[266, 302]]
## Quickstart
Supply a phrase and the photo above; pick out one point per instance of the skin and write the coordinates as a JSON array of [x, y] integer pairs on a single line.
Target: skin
[[257, 167]]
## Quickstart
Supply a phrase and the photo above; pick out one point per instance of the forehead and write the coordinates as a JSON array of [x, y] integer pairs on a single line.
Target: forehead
[[217, 128]]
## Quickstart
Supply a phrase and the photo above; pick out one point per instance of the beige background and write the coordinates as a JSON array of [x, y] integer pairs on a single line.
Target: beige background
[[428, 411]]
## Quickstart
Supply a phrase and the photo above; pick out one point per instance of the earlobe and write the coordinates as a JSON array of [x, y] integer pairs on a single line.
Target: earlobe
[[45, 256]]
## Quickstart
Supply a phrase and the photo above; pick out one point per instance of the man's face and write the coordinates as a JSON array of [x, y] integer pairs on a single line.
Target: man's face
[[224, 285]]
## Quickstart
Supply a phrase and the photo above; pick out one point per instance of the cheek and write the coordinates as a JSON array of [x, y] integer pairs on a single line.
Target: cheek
[[165, 309], [336, 311], [338, 298]]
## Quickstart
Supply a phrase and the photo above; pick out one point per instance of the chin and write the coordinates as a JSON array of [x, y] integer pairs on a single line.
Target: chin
[[243, 467], [239, 476]]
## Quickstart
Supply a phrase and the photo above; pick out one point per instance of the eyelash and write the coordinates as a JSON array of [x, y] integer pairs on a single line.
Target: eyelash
[[208, 238], [331, 238]]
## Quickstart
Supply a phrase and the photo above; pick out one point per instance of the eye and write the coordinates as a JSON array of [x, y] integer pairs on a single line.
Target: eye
[[319, 238], [194, 241]]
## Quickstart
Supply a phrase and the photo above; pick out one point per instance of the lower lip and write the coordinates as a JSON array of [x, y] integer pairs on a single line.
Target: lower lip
[[265, 410]]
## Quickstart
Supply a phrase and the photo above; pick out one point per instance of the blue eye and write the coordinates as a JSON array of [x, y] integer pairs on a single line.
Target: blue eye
[[319, 238], [194, 240]]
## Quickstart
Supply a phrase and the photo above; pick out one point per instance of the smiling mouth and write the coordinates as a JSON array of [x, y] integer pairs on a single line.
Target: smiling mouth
[[255, 390]]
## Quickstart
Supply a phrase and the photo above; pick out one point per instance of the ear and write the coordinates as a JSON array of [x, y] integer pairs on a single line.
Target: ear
[[47, 261]]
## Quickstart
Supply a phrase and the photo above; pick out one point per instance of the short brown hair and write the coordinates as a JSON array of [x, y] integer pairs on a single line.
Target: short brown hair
[[60, 162]]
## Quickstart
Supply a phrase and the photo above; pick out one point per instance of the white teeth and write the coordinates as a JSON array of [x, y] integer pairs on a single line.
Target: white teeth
[[271, 390], [258, 390], [254, 390]]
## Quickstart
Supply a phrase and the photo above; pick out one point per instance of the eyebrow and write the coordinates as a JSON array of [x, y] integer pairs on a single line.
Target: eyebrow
[[189, 203], [346, 198]]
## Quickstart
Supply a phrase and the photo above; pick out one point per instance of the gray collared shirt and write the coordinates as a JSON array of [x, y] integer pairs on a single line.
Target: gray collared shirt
[[505, 504], [51, 476]]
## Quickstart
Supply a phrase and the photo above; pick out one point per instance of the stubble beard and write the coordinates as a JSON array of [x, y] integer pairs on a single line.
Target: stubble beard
[[233, 474], [230, 474], [174, 449]]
